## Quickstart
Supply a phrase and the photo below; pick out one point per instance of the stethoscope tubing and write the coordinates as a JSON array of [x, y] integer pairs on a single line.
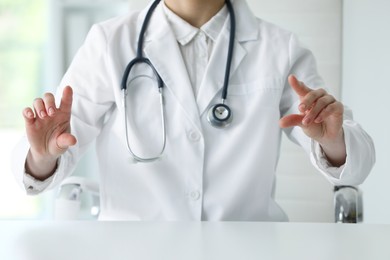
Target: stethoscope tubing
[[214, 120], [230, 50], [137, 158]]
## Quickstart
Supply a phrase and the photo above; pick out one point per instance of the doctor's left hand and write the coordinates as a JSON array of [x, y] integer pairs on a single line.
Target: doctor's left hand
[[321, 118]]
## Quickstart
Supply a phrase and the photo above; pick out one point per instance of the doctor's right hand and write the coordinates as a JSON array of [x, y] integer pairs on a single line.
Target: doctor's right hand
[[48, 131]]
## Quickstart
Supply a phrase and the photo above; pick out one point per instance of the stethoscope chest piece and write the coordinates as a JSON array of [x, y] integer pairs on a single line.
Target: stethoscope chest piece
[[220, 115]]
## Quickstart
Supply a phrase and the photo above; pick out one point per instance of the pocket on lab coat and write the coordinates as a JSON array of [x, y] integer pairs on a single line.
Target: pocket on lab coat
[[267, 91]]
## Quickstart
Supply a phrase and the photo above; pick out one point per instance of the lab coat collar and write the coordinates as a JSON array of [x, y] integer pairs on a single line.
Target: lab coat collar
[[246, 22]]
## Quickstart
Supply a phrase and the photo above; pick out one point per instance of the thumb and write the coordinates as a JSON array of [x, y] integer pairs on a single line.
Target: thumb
[[65, 140], [291, 120], [67, 99]]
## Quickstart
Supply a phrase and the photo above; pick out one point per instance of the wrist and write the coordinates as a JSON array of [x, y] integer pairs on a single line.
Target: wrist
[[335, 149], [40, 166]]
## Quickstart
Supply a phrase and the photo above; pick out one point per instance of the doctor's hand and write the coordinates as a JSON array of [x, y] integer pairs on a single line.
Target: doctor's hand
[[48, 131], [321, 118]]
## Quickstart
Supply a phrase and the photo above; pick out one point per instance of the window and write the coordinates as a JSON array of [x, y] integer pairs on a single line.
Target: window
[[22, 43], [26, 74]]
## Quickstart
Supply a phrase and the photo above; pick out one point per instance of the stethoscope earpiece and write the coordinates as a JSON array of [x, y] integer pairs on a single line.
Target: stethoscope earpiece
[[220, 115]]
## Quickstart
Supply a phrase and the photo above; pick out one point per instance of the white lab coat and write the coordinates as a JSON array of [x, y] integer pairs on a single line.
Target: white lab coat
[[205, 173]]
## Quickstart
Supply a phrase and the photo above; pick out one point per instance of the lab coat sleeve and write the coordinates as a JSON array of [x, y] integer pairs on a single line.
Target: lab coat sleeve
[[27, 182], [93, 100], [360, 155], [359, 145]]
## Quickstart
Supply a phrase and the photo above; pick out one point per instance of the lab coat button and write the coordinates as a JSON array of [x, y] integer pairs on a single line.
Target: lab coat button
[[194, 136], [195, 195]]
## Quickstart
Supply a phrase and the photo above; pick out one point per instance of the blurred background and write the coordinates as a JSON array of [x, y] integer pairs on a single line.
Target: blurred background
[[23, 39], [37, 42], [39, 38]]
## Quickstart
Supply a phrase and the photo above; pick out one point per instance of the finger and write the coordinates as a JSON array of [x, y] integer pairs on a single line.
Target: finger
[[39, 108], [65, 140], [335, 108], [311, 98], [291, 120], [299, 87], [50, 105], [28, 116], [66, 100], [319, 105]]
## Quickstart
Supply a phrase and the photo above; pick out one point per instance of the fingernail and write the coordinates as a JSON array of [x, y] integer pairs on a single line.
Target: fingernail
[[51, 111], [30, 115], [302, 107], [318, 119], [42, 114]]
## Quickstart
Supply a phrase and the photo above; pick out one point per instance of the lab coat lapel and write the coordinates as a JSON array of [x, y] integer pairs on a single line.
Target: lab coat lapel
[[246, 30], [163, 51], [213, 80]]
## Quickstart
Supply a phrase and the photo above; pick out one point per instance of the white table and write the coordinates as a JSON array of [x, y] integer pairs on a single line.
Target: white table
[[86, 240]]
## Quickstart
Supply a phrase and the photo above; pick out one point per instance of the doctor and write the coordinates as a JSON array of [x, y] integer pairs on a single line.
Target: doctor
[[205, 172]]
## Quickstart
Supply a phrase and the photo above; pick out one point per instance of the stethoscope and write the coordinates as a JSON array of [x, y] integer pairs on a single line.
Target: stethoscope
[[219, 115]]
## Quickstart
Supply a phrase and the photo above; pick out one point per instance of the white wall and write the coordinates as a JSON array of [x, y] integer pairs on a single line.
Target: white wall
[[366, 89], [303, 193]]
